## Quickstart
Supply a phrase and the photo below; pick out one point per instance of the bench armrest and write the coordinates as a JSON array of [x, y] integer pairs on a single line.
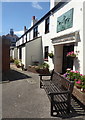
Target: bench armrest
[[44, 74], [41, 76], [58, 93]]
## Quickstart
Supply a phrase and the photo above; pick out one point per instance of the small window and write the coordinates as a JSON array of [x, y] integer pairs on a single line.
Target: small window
[[46, 49], [47, 25], [23, 39], [13, 44], [26, 37], [35, 32], [20, 53]]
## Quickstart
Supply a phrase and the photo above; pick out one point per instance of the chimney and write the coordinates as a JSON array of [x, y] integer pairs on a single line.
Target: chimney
[[33, 17], [34, 20], [11, 32], [25, 29]]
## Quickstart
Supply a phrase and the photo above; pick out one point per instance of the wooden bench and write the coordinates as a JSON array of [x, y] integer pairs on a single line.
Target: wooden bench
[[59, 91]]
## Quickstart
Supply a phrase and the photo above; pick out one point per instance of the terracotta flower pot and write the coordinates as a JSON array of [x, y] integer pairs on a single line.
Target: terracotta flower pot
[[83, 90], [78, 86]]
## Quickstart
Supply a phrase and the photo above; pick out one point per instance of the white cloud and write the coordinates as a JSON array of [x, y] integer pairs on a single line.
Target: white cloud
[[36, 5], [19, 33]]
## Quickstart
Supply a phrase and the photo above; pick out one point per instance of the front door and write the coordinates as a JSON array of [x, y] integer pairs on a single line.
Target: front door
[[67, 62]]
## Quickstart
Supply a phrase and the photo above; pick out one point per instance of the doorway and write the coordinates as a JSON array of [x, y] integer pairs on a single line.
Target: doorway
[[67, 62]]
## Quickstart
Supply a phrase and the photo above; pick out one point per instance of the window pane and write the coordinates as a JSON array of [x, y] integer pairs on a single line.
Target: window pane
[[46, 52], [47, 25], [35, 32]]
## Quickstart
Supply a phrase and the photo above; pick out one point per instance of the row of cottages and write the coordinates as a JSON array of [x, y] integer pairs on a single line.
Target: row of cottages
[[61, 30]]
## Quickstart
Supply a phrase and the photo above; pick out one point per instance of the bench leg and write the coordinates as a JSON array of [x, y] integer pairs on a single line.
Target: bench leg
[[40, 84], [69, 103], [52, 105]]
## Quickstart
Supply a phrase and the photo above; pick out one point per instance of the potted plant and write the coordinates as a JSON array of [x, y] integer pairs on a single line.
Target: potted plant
[[83, 83], [22, 66], [83, 88], [78, 84], [72, 75], [17, 63], [11, 59], [43, 68], [51, 55]]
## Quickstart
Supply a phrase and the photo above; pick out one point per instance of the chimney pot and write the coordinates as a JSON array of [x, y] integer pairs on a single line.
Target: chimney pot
[[33, 17], [24, 29]]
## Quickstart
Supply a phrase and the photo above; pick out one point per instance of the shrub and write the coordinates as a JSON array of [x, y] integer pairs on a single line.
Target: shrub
[[51, 55], [17, 62], [11, 59], [43, 66], [75, 76]]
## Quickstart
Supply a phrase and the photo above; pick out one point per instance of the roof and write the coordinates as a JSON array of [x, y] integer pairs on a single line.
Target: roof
[[12, 36]]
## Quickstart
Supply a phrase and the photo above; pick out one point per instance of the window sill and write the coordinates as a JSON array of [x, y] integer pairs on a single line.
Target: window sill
[[46, 32], [35, 37], [45, 59]]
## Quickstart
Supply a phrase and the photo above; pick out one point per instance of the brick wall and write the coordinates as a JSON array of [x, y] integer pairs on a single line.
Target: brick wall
[[5, 54]]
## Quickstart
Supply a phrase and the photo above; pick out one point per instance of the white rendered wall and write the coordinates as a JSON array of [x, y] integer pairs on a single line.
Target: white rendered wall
[[84, 37], [76, 20], [77, 26], [27, 36], [24, 38], [11, 52], [53, 3], [18, 53], [34, 52], [15, 53], [24, 56], [31, 34]]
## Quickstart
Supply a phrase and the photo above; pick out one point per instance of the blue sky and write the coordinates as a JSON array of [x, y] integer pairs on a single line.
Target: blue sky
[[16, 15]]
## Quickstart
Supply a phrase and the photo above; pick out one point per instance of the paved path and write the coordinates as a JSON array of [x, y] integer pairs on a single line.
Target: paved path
[[22, 98]]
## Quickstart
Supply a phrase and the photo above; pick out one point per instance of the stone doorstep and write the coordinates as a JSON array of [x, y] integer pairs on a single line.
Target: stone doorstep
[[79, 95], [6, 81]]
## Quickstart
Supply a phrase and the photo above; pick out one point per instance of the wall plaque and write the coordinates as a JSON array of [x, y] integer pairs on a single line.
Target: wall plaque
[[65, 21]]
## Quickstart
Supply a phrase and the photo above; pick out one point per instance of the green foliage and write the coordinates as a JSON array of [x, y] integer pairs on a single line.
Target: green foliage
[[51, 55], [75, 76], [17, 62], [11, 59], [83, 86], [43, 66]]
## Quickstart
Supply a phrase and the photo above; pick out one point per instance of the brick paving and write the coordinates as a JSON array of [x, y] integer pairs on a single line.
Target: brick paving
[[22, 98]]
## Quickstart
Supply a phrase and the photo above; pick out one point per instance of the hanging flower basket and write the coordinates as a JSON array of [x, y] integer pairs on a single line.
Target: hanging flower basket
[[51, 55], [71, 54]]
